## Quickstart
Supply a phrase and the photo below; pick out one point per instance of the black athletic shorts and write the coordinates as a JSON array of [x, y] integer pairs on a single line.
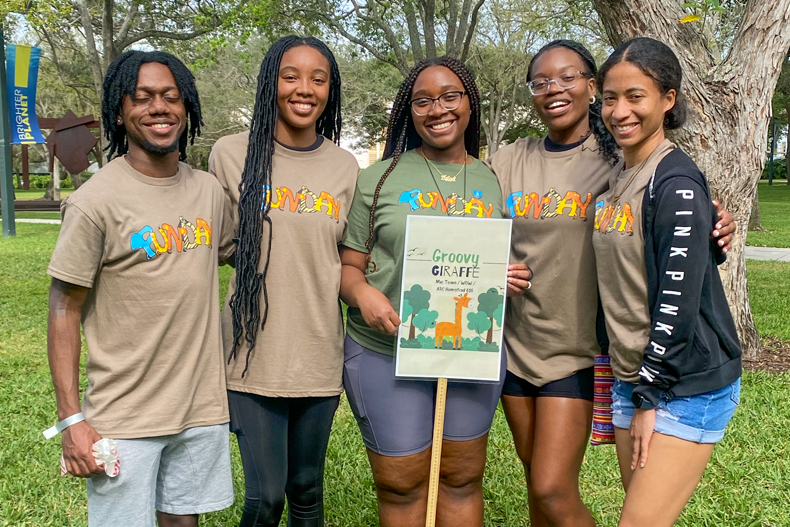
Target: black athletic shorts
[[580, 385]]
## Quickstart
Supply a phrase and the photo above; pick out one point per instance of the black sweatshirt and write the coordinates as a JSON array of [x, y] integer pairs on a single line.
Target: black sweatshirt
[[693, 345]]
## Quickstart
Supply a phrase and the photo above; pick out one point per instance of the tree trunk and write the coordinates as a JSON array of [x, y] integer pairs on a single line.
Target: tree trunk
[[49, 192], [755, 223], [490, 335], [76, 180], [729, 106], [411, 329]]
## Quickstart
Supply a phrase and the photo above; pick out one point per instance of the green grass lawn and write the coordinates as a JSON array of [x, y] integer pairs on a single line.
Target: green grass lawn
[[774, 215], [768, 287], [747, 481], [38, 193], [19, 215]]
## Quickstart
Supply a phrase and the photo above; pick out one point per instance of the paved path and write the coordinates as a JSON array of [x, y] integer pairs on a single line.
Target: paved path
[[768, 253], [753, 253], [34, 220]]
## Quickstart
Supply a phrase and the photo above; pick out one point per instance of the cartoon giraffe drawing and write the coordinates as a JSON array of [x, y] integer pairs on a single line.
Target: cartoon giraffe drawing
[[452, 329]]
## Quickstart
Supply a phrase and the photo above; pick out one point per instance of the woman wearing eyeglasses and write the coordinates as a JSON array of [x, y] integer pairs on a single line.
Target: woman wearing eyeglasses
[[548, 186], [429, 168]]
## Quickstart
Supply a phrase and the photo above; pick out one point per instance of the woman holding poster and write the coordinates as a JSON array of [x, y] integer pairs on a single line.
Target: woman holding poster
[[430, 168]]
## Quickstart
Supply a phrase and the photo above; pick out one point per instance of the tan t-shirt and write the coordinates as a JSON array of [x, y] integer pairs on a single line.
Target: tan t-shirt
[[619, 243], [550, 329], [299, 353], [147, 248]]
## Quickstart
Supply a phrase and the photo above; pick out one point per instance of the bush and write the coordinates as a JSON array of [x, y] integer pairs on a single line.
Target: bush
[[40, 181], [406, 343], [780, 169]]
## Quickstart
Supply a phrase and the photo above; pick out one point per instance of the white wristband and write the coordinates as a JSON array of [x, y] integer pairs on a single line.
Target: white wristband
[[67, 422]]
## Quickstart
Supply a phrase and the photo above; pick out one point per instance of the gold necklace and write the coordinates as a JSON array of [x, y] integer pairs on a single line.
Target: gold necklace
[[642, 165], [444, 177]]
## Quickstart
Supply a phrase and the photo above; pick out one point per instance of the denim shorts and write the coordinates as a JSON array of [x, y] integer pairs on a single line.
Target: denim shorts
[[699, 418]]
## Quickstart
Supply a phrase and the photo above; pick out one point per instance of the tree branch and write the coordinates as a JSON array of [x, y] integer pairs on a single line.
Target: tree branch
[[107, 29], [128, 20], [151, 33], [337, 26], [389, 34], [449, 44], [471, 33], [762, 31], [414, 31], [429, 28], [93, 54], [463, 23]]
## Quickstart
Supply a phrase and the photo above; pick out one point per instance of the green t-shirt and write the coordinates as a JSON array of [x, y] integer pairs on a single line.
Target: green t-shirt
[[409, 189]]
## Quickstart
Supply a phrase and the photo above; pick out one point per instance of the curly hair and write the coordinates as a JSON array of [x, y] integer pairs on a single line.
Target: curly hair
[[256, 188], [659, 62], [121, 80], [606, 143], [403, 136]]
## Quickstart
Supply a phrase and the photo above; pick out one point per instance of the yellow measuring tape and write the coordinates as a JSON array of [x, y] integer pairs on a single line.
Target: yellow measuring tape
[[436, 452]]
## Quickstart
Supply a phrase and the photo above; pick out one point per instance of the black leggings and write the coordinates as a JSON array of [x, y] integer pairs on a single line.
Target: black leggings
[[283, 445]]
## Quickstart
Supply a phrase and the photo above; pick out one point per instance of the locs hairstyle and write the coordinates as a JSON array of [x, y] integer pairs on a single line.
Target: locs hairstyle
[[606, 142], [402, 136], [657, 61], [256, 188], [121, 79]]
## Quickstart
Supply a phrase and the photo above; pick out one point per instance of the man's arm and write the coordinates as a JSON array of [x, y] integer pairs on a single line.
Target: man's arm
[[63, 349]]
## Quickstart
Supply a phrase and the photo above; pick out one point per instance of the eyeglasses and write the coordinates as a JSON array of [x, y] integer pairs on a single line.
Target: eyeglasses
[[566, 81], [450, 100]]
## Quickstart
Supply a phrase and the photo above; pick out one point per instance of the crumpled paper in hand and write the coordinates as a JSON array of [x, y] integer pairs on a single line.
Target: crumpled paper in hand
[[105, 451]]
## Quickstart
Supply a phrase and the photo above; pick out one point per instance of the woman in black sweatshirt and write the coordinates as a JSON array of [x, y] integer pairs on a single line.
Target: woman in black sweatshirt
[[673, 345]]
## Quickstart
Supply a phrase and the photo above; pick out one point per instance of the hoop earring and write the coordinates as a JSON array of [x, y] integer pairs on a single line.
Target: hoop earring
[[592, 99]]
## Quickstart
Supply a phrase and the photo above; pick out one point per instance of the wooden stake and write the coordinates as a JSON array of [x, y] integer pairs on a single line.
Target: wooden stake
[[436, 452]]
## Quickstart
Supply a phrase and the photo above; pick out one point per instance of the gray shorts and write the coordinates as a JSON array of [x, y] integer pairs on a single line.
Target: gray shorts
[[395, 416], [184, 473]]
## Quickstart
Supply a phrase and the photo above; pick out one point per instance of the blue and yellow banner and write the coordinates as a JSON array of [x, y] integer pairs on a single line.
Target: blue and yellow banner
[[22, 74]]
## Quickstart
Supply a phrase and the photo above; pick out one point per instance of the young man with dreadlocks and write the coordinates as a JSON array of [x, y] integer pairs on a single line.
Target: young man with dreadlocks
[[282, 324], [432, 144], [136, 262]]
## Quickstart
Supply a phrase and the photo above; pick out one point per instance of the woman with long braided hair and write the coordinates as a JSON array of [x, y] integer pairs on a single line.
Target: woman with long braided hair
[[429, 158], [290, 186], [548, 187]]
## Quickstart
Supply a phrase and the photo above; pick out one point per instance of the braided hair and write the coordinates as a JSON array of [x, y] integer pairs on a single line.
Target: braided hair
[[402, 136], [256, 188], [121, 80], [606, 143]]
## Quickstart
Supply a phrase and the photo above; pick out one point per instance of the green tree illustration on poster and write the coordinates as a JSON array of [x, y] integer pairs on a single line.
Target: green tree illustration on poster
[[478, 322], [425, 319], [418, 299], [488, 303]]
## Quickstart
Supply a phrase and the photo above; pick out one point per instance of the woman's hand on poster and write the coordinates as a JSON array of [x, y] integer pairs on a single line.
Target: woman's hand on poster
[[641, 431], [518, 279], [377, 311], [725, 228]]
